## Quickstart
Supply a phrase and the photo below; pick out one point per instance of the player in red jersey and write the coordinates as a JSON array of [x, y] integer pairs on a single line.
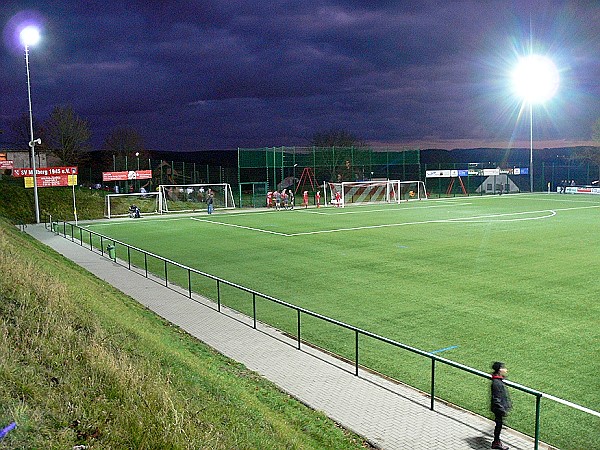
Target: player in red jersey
[[269, 199]]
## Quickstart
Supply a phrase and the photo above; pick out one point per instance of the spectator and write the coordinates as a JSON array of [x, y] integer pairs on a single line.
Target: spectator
[[500, 402], [209, 201]]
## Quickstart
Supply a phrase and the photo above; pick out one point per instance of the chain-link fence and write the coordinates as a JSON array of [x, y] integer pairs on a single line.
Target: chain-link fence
[[309, 166]]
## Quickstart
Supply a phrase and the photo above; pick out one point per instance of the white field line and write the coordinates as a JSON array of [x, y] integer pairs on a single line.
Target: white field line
[[549, 213], [240, 226], [343, 211], [454, 220]]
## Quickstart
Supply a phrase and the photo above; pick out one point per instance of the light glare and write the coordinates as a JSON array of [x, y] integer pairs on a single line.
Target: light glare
[[536, 79], [30, 35]]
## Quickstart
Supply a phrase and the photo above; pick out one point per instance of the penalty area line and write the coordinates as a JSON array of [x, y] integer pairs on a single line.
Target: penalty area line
[[240, 226]]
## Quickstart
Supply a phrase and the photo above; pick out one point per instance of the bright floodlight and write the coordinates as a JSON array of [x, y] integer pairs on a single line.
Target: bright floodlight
[[30, 35], [535, 79]]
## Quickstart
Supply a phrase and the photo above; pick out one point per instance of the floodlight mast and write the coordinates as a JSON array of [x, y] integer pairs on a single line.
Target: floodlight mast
[[30, 36], [536, 81]]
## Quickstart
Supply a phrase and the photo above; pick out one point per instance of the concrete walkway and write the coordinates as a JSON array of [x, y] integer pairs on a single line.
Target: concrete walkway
[[388, 415]]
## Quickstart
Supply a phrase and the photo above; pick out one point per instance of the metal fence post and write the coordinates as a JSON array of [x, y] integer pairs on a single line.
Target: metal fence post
[[190, 283], [166, 277], [218, 296], [298, 314], [356, 352], [128, 257], [536, 441], [432, 383], [254, 309]]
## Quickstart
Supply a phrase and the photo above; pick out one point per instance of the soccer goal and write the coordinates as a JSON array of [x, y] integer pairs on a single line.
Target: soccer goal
[[120, 205], [192, 197], [384, 191]]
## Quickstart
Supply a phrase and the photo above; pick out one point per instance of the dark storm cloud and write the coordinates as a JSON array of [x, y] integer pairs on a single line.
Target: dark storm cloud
[[218, 74]]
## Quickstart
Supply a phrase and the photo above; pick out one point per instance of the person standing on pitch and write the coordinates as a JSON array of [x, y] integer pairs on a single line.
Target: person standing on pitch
[[209, 201], [277, 195], [318, 199], [305, 199], [500, 402]]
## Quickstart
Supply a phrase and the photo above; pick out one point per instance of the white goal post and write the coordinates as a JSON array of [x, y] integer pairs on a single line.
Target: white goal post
[[377, 191], [118, 205], [193, 197]]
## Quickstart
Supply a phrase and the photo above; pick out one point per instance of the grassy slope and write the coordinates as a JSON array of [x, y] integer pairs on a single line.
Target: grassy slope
[[17, 205], [524, 292], [82, 363]]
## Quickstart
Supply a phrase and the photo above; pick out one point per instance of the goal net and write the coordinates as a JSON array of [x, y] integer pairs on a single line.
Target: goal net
[[385, 191], [120, 205], [192, 197]]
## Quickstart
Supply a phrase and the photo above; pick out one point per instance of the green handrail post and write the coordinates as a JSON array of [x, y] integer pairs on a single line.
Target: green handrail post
[[432, 383], [166, 277], [218, 296], [536, 441], [254, 310], [298, 314], [356, 352]]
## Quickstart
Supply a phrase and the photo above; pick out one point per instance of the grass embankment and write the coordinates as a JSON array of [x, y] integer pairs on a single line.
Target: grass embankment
[[81, 363], [17, 204]]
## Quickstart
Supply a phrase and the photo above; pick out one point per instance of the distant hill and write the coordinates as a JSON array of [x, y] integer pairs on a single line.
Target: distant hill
[[228, 158]]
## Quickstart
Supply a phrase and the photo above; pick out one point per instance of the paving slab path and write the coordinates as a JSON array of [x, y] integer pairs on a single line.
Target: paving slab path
[[387, 414]]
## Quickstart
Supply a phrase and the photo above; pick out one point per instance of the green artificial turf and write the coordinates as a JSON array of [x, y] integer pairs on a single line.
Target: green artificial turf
[[511, 278]]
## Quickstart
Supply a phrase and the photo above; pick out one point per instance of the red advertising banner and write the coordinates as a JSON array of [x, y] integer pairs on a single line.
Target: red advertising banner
[[124, 176], [6, 164], [52, 181], [44, 171]]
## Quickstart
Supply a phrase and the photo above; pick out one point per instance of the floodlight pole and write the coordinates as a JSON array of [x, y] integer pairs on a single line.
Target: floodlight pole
[[530, 146], [33, 141]]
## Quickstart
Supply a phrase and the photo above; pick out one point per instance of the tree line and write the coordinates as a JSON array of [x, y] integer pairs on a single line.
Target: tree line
[[67, 136]]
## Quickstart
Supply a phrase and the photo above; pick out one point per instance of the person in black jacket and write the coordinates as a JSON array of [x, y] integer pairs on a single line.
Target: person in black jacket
[[500, 401]]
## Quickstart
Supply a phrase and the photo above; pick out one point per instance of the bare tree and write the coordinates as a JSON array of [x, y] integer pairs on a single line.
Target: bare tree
[[20, 134], [124, 144], [335, 138], [341, 154], [68, 135]]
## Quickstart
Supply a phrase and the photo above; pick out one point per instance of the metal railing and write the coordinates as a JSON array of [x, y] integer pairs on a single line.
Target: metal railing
[[63, 226]]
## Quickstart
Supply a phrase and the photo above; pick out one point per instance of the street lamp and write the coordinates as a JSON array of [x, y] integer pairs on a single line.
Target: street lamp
[[30, 36], [137, 155], [536, 81]]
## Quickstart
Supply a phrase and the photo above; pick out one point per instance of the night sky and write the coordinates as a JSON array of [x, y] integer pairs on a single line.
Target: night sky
[[212, 74]]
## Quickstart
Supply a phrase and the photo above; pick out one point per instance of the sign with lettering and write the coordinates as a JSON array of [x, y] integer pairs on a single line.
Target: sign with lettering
[[127, 175], [52, 181], [44, 171]]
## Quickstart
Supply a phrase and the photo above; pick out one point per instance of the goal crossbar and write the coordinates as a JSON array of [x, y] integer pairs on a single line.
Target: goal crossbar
[[117, 205], [380, 191], [193, 197]]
